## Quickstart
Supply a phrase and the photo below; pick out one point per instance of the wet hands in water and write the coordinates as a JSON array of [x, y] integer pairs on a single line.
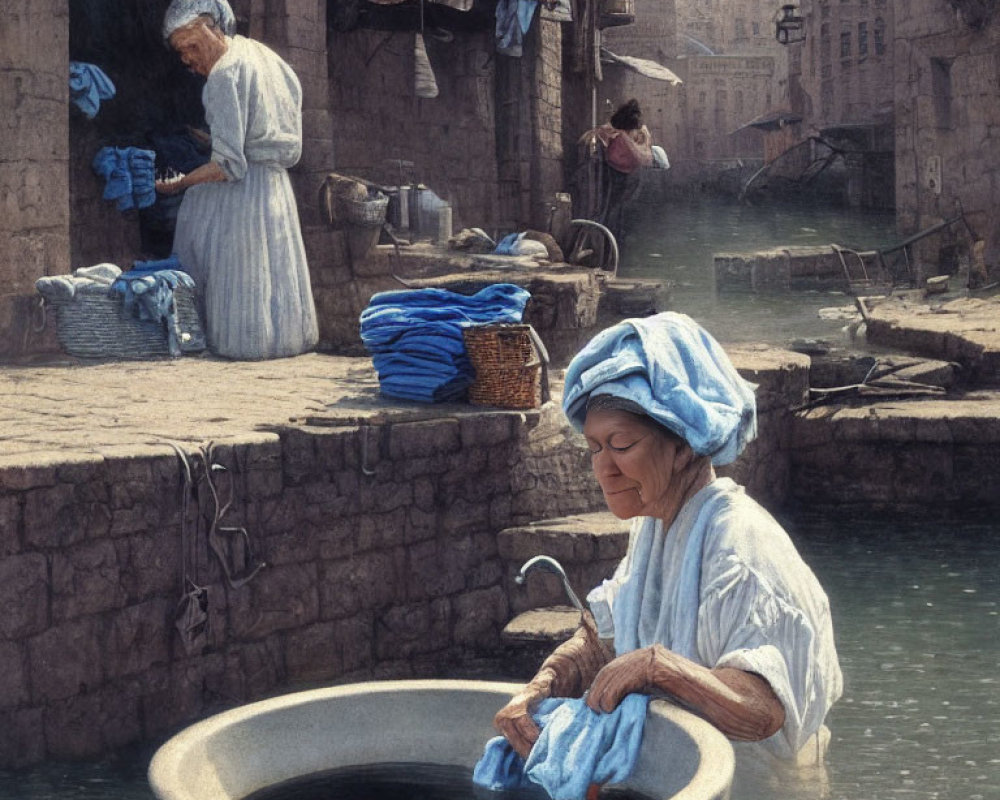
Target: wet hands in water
[[514, 719], [626, 674]]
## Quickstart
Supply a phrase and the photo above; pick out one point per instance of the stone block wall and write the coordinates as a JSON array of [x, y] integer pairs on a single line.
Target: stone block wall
[[377, 118], [947, 101], [381, 553], [782, 379], [529, 143], [34, 158], [926, 457]]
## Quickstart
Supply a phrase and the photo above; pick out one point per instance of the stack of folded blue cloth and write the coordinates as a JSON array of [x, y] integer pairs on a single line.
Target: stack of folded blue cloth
[[129, 174], [88, 86], [147, 291], [415, 337]]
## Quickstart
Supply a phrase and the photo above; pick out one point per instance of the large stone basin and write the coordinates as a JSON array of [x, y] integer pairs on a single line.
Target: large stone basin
[[235, 753]]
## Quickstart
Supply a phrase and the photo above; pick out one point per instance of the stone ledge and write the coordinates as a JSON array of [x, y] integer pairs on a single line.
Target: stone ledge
[[576, 538], [966, 330], [552, 625]]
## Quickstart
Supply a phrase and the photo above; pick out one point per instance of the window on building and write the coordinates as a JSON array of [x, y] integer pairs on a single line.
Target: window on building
[[756, 29], [878, 34], [741, 28], [845, 44], [862, 38]]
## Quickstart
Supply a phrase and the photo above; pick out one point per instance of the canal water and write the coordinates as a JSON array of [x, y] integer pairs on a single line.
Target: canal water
[[676, 243], [916, 604]]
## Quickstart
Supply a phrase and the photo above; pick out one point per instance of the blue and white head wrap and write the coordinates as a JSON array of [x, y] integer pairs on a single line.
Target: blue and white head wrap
[[677, 373], [181, 12]]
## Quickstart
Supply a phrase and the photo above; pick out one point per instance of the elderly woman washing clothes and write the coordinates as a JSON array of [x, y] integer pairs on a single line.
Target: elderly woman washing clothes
[[238, 228], [712, 605]]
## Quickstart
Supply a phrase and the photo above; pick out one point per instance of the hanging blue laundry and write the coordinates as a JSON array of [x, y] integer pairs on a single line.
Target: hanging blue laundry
[[576, 747], [415, 337], [88, 86], [129, 175], [513, 21]]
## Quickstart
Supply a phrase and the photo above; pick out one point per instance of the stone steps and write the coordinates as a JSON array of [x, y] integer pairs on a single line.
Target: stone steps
[[530, 636], [587, 546]]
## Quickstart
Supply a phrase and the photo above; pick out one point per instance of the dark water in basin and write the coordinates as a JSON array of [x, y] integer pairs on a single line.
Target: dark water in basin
[[391, 782], [676, 242]]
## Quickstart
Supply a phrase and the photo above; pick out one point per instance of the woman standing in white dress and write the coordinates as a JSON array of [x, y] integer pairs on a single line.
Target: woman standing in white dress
[[238, 228]]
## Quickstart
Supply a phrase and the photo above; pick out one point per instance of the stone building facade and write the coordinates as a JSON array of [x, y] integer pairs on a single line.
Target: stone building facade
[[947, 155], [733, 71], [499, 163], [840, 80]]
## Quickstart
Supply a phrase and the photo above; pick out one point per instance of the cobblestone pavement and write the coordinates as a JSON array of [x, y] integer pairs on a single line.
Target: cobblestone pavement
[[66, 411]]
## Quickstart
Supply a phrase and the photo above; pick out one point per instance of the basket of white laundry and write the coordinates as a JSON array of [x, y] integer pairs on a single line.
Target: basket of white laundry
[[92, 322]]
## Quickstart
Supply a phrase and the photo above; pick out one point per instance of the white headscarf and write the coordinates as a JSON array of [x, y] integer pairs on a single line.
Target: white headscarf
[[181, 12]]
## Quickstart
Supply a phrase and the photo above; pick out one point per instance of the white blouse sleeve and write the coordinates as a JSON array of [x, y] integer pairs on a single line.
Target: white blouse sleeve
[[744, 624], [226, 107]]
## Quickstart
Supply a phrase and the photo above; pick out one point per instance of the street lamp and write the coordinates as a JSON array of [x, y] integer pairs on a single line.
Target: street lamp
[[788, 27]]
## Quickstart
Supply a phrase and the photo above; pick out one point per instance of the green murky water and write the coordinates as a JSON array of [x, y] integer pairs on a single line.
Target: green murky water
[[676, 242]]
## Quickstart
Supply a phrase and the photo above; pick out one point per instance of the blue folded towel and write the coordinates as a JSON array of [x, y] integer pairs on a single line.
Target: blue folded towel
[[415, 337], [129, 175], [577, 747], [88, 86], [677, 373]]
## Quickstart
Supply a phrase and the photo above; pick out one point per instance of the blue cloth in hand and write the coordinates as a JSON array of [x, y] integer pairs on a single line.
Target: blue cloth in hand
[[576, 747], [88, 86], [678, 374]]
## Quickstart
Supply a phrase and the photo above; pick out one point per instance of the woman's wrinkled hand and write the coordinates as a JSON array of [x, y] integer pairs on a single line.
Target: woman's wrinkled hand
[[514, 719], [168, 187], [627, 674]]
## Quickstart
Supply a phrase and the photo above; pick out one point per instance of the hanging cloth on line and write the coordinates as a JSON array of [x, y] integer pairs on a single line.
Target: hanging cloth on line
[[88, 86]]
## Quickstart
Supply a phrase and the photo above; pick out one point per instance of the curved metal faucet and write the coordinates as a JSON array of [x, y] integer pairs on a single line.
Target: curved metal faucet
[[550, 565]]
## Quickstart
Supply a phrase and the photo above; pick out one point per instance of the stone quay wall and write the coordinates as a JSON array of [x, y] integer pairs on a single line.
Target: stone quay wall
[[780, 270], [380, 544], [926, 457], [381, 539]]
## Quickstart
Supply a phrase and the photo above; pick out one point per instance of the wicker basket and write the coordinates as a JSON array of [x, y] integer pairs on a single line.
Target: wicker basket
[[366, 213], [94, 325], [507, 364]]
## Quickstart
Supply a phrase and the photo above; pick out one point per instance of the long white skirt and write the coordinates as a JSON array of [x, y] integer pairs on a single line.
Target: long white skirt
[[241, 242]]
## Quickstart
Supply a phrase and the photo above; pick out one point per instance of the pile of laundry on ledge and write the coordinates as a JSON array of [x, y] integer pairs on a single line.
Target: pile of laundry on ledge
[[415, 337]]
